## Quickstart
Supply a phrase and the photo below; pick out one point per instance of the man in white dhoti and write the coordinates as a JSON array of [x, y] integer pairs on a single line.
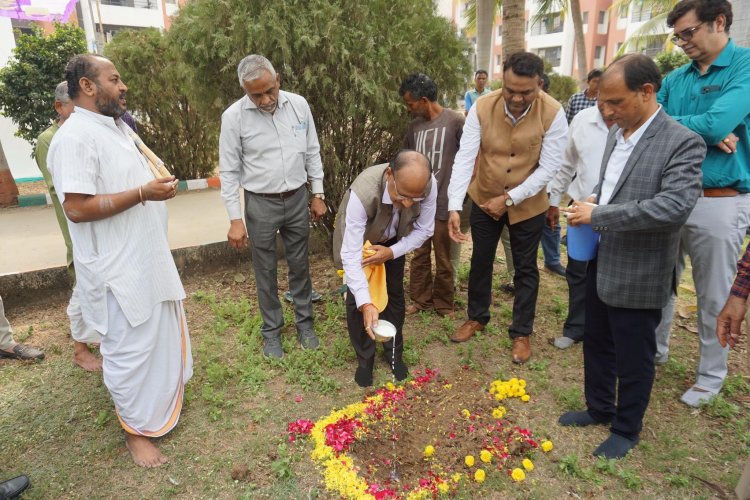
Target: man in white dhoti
[[126, 278]]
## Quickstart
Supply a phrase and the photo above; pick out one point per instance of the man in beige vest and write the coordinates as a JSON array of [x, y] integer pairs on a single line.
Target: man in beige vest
[[393, 207], [516, 136]]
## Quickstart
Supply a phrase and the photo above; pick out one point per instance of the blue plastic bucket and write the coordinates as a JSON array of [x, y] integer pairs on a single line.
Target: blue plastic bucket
[[582, 242]]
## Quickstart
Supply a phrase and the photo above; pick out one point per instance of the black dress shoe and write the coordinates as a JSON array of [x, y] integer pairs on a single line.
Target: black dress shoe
[[363, 376], [615, 447], [13, 487], [578, 419]]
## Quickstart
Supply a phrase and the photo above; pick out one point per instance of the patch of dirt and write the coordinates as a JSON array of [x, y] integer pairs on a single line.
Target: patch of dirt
[[35, 187]]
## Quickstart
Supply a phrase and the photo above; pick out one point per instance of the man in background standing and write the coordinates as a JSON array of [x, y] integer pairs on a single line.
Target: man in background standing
[[480, 89], [81, 334], [269, 147], [586, 98], [436, 133]]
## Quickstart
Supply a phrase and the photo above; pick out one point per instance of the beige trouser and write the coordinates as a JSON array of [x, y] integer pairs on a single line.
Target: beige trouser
[[6, 333]]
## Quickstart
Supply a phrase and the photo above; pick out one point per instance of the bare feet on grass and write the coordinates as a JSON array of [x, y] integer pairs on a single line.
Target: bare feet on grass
[[86, 359], [143, 451]]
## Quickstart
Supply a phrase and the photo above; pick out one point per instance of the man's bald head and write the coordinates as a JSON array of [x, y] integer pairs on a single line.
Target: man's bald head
[[413, 161], [410, 172], [82, 66], [635, 70]]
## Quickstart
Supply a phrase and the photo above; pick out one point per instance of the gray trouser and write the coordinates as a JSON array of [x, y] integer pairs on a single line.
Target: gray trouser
[[712, 238], [6, 332], [290, 218]]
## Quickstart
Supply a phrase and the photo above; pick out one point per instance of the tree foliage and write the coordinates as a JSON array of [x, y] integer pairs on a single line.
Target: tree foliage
[[168, 122], [561, 87], [27, 83], [346, 57], [667, 61]]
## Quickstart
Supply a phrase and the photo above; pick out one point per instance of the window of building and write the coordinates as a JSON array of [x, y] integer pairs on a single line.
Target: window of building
[[602, 16], [499, 30], [623, 11], [585, 17], [603, 23], [138, 4], [654, 46], [110, 30], [551, 23], [550, 54], [640, 13]]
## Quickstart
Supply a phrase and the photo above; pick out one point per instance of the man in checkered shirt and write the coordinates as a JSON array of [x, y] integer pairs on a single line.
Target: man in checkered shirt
[[586, 98]]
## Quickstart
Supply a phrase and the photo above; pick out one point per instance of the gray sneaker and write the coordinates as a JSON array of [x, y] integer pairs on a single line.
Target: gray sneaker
[[316, 297], [308, 339], [564, 342], [272, 348], [23, 352]]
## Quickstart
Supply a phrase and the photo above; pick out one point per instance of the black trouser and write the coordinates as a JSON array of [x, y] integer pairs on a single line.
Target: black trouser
[[618, 353], [575, 274], [524, 243], [394, 312]]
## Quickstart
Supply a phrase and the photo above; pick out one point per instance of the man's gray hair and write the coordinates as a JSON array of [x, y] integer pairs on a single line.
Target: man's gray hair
[[252, 67], [61, 92]]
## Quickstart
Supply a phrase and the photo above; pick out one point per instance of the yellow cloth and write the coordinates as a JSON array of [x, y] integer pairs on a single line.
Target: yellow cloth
[[375, 274]]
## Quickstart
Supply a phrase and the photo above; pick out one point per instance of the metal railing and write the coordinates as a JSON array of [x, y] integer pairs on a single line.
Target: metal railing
[[138, 4]]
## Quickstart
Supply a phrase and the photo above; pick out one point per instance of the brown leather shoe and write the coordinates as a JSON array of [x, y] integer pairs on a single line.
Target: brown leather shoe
[[521, 350], [467, 330]]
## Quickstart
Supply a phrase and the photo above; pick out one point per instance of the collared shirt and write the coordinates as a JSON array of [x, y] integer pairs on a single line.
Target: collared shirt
[[577, 103], [268, 153], [741, 286], [127, 253], [713, 105], [356, 221], [582, 162], [619, 158], [553, 144], [471, 97]]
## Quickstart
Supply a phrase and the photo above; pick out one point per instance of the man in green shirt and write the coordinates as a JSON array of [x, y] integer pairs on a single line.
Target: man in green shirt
[[710, 97], [80, 332]]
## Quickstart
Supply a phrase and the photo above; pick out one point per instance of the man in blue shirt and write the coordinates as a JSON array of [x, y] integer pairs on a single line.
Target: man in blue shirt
[[480, 89], [710, 97]]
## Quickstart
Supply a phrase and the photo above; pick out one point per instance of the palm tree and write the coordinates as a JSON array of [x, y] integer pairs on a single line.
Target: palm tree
[[8, 188], [651, 31], [480, 16], [547, 7]]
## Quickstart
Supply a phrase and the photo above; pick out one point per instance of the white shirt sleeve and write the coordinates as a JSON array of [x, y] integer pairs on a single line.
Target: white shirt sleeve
[[230, 163], [313, 163], [463, 163], [553, 145], [74, 166], [351, 250], [424, 227], [561, 182]]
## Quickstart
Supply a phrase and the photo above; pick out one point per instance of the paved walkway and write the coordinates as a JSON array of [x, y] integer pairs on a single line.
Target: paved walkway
[[30, 238]]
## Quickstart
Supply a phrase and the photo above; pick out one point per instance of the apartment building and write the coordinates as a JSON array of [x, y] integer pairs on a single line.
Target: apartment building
[[100, 20]]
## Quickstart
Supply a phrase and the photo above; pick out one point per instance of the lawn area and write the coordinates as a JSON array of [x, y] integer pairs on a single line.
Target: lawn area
[[59, 425]]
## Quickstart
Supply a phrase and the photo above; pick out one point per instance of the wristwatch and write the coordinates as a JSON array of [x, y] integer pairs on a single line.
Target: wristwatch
[[508, 201], [320, 196]]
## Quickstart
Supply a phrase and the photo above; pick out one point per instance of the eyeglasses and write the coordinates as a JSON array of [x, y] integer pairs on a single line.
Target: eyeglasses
[[685, 35], [401, 197]]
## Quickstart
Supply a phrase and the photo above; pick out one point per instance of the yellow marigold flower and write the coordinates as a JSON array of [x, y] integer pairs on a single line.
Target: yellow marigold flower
[[429, 450], [466, 413], [525, 398], [469, 460], [447, 386], [390, 386], [340, 272], [547, 446], [443, 487], [518, 475], [479, 475], [485, 456], [522, 383], [456, 477], [528, 464]]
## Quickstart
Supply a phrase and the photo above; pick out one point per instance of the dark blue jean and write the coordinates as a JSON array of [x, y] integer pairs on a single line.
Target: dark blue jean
[[551, 245]]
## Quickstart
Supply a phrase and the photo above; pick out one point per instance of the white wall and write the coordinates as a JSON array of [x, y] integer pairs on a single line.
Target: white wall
[[17, 151]]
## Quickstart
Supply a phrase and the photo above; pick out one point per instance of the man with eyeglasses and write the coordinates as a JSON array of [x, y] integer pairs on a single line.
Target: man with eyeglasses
[[393, 207], [710, 97], [516, 139]]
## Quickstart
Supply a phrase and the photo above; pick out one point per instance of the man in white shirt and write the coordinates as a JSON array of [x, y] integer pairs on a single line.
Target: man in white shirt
[[578, 175], [393, 207], [269, 148], [516, 139], [648, 185], [126, 277]]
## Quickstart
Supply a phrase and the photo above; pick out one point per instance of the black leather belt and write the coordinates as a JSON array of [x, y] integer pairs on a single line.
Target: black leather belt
[[280, 196]]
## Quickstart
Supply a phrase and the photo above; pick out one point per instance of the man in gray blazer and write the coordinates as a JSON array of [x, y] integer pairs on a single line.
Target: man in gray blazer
[[649, 182]]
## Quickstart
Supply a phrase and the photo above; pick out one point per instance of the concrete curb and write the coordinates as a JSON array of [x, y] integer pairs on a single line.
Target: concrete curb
[[36, 200], [39, 286]]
